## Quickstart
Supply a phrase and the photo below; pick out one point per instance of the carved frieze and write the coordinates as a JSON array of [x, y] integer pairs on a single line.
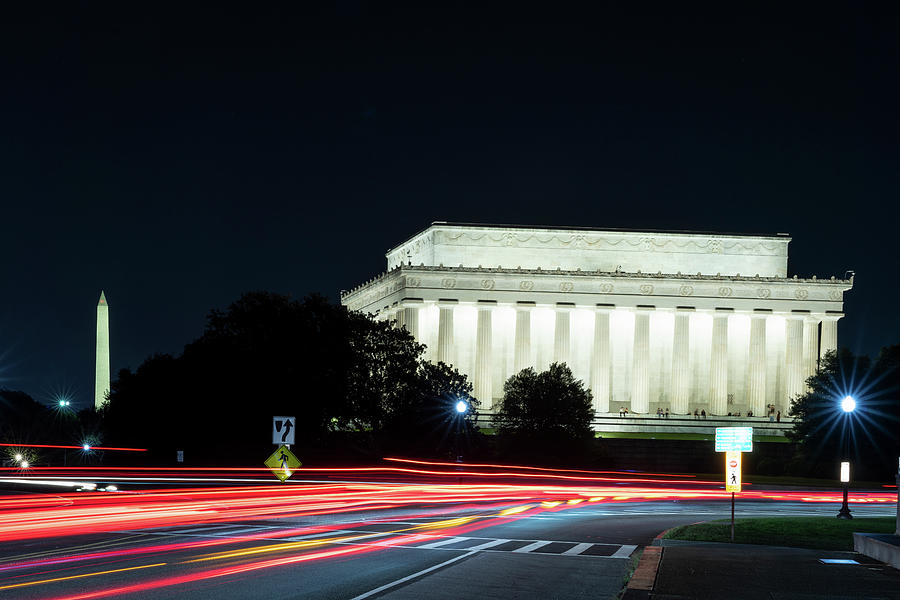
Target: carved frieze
[[487, 284], [608, 240], [646, 289], [566, 286], [801, 294], [526, 286], [686, 290], [448, 283], [726, 292]]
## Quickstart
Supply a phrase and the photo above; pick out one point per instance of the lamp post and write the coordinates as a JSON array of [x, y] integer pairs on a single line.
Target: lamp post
[[848, 405], [461, 407]]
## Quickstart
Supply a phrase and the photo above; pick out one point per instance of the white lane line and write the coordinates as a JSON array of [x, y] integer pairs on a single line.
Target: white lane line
[[533, 546], [443, 542], [624, 552], [388, 586], [485, 545], [578, 548], [199, 529]]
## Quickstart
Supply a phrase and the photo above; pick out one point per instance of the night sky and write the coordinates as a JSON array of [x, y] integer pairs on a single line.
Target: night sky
[[178, 159]]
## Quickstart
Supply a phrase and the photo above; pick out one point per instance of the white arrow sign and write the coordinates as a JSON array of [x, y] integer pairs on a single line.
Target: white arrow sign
[[283, 430]]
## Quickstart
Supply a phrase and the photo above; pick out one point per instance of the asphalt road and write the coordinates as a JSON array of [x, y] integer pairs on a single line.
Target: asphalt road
[[576, 551]]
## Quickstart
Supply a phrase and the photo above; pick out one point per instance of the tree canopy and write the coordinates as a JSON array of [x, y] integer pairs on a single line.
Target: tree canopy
[[551, 403], [267, 355], [822, 428]]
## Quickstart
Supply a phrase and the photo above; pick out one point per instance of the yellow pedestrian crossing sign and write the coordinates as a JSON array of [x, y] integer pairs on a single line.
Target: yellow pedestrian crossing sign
[[283, 463]]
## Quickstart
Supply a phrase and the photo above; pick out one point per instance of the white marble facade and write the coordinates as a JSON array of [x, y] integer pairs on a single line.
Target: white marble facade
[[678, 320]]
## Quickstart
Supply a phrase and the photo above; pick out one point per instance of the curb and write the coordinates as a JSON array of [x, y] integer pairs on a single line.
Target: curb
[[641, 583]]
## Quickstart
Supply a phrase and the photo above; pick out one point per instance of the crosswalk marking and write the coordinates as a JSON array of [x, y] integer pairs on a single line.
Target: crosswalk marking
[[371, 539], [443, 542], [487, 545], [578, 548], [534, 546], [624, 552]]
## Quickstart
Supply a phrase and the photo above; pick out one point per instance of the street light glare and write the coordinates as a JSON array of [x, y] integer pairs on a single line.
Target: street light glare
[[18, 457], [848, 404], [86, 447], [461, 407]]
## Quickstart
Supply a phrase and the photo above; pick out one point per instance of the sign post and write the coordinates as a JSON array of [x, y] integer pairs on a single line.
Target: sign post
[[733, 441], [283, 463]]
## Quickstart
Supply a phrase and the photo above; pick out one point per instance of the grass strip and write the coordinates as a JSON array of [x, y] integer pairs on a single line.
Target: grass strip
[[819, 533]]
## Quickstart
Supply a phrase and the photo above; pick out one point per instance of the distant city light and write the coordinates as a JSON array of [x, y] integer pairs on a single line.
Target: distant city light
[[18, 457], [848, 404], [65, 402], [24, 464], [461, 406], [86, 447]]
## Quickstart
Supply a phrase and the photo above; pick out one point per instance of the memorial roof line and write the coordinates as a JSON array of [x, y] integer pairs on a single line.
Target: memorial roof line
[[573, 228]]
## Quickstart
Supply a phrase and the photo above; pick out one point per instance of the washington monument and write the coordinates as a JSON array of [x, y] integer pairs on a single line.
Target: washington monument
[[101, 383]]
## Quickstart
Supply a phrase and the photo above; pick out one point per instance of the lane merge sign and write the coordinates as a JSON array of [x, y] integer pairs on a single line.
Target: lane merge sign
[[732, 471], [734, 439], [283, 430], [283, 463]]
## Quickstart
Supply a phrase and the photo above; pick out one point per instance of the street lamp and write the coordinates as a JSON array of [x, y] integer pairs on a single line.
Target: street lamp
[[462, 407], [848, 405]]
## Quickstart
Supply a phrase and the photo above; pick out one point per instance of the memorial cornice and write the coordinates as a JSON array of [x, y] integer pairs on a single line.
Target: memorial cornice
[[558, 281]]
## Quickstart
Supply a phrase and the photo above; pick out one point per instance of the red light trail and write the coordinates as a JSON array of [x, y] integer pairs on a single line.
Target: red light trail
[[425, 493], [71, 447]]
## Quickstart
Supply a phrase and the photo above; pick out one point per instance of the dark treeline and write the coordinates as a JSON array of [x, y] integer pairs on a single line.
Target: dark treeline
[[359, 388], [869, 436]]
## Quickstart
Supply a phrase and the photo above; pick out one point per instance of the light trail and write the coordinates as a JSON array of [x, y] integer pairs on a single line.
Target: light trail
[[81, 447], [430, 495], [545, 469]]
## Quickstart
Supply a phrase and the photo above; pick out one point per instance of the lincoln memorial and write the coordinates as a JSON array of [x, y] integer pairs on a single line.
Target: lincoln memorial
[[647, 319]]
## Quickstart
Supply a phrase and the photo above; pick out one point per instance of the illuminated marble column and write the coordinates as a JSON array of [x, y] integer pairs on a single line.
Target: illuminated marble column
[[681, 366], [600, 360], [718, 365], [793, 358], [810, 348], [408, 317], [640, 369], [522, 357], [829, 334], [101, 379], [445, 331], [562, 336], [483, 348], [756, 383]]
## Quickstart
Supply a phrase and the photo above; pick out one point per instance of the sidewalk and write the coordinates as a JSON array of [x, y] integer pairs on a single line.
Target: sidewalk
[[737, 571]]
